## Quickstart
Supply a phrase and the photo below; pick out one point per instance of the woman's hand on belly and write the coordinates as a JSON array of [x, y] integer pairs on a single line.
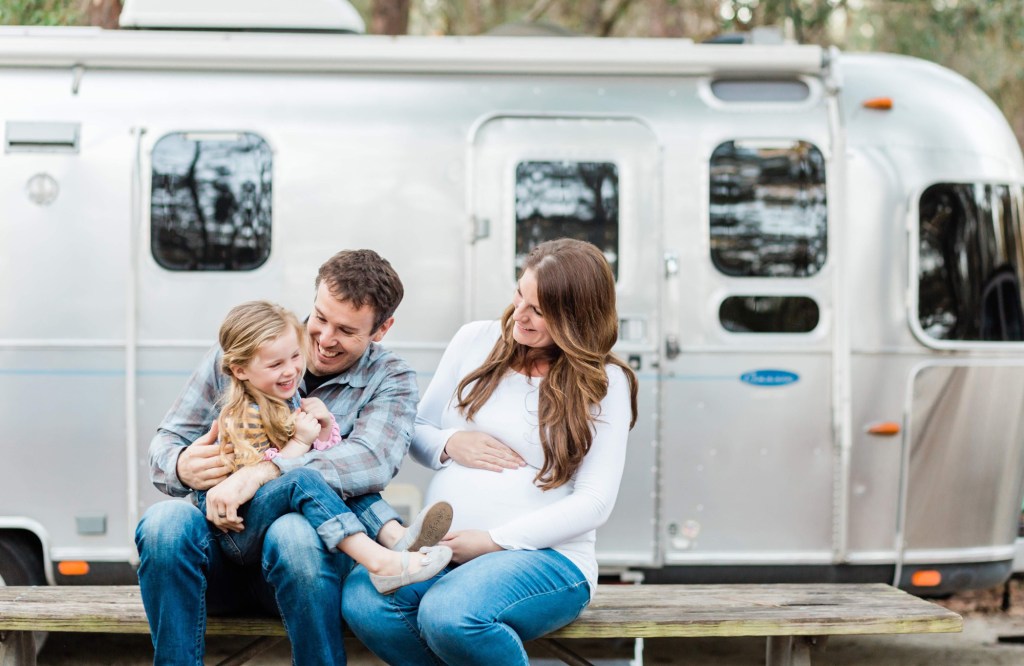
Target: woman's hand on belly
[[468, 544], [480, 450]]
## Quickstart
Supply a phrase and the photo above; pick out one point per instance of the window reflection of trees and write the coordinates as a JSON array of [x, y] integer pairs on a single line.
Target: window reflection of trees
[[970, 262], [768, 209], [211, 202], [768, 314], [567, 200]]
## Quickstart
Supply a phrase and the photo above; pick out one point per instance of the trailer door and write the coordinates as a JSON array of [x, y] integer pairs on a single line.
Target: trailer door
[[596, 179], [748, 466]]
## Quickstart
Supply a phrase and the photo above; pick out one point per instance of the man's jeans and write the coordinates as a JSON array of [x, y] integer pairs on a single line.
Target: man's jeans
[[476, 613], [184, 574], [301, 491]]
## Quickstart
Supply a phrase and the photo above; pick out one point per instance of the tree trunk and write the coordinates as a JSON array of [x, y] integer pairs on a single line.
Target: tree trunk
[[103, 13], [665, 20], [474, 17], [390, 17], [611, 12]]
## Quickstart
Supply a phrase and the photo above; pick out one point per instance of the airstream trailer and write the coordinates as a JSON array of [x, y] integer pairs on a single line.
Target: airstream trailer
[[818, 259]]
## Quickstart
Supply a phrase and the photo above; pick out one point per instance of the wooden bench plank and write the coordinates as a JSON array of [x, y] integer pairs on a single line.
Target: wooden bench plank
[[115, 609], [757, 610], [618, 611]]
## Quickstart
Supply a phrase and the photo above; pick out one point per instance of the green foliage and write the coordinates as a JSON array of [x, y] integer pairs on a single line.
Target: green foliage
[[979, 39], [40, 12]]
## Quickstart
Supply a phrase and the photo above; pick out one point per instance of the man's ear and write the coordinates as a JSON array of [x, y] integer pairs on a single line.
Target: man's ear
[[378, 335], [239, 373]]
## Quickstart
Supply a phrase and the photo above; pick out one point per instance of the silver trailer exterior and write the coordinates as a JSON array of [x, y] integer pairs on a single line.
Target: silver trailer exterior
[[810, 290]]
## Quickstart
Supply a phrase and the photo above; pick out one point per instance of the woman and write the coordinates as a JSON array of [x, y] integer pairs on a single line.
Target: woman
[[544, 383]]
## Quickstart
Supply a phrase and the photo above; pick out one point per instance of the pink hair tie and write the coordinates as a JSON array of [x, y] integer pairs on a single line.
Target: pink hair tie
[[335, 437], [271, 453]]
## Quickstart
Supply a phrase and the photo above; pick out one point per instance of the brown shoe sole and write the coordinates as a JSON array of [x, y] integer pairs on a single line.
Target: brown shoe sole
[[436, 524]]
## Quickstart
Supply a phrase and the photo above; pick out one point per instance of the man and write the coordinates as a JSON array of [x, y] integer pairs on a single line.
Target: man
[[372, 395]]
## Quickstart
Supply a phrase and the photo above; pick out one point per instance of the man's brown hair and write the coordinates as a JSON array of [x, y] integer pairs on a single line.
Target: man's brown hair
[[363, 277]]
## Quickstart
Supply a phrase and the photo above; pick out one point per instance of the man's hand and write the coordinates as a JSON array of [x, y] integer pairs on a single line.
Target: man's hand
[[479, 450], [200, 466], [468, 544], [222, 501]]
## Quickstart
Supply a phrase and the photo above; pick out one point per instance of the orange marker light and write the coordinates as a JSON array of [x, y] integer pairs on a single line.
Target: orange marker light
[[878, 103], [926, 578], [73, 568], [884, 428]]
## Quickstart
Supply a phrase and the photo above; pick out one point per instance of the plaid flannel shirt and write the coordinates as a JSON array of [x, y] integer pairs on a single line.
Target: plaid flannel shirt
[[374, 403]]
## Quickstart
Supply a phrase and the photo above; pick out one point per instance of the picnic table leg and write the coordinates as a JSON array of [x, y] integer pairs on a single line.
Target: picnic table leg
[[17, 648], [788, 651], [793, 650], [638, 652], [257, 647], [562, 652]]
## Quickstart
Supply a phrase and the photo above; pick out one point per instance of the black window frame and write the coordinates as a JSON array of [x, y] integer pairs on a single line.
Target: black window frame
[[751, 186], [223, 221], [522, 243], [794, 298], [969, 311]]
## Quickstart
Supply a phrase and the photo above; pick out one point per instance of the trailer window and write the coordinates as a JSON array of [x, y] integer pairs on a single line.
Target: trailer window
[[567, 200], [768, 314], [970, 262], [768, 209], [210, 207]]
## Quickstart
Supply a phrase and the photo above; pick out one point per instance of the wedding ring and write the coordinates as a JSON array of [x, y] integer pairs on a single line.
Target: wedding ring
[[222, 515]]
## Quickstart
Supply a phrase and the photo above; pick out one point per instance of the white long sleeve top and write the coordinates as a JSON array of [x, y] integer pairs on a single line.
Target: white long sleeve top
[[509, 504]]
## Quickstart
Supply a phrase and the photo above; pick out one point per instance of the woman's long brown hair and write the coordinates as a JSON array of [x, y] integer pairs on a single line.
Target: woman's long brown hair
[[576, 294]]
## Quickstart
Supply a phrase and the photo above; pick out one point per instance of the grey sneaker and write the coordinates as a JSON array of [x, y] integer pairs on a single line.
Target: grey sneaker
[[427, 529], [436, 558]]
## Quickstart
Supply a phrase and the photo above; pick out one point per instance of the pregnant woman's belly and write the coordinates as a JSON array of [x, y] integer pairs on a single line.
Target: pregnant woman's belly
[[482, 499]]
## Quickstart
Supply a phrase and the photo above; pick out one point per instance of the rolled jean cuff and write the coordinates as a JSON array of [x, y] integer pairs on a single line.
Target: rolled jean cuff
[[334, 530], [376, 515]]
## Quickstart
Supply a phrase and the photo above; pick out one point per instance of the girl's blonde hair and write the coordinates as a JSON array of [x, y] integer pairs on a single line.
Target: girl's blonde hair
[[246, 328], [576, 294]]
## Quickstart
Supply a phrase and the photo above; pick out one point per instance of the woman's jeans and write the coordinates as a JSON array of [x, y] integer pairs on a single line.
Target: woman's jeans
[[301, 491], [478, 613], [184, 574]]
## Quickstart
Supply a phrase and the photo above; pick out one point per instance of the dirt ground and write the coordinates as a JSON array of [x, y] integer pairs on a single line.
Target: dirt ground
[[992, 636]]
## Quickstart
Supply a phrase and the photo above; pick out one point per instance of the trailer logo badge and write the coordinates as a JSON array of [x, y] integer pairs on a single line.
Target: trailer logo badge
[[42, 189], [769, 377]]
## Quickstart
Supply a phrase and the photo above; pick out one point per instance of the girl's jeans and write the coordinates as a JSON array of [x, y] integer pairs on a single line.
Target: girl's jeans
[[301, 491]]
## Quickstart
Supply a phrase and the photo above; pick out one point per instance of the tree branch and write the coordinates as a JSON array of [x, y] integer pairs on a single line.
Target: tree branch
[[538, 10], [611, 12]]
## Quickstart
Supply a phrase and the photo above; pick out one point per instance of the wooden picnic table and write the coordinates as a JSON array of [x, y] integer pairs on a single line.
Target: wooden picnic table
[[793, 618]]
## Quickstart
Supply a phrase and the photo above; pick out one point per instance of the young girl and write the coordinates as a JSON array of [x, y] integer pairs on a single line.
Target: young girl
[[264, 357]]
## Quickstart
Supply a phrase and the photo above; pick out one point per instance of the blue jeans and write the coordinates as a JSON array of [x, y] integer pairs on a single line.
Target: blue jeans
[[301, 491], [478, 613], [184, 574]]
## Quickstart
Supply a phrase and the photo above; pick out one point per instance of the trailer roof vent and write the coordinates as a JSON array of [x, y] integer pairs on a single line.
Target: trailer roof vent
[[760, 90], [260, 15], [40, 137]]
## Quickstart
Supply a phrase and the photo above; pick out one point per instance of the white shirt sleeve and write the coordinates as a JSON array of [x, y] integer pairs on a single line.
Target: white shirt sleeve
[[596, 484], [463, 351]]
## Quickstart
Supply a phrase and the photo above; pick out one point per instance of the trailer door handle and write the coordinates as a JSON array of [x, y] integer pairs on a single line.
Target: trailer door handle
[[481, 228], [671, 347]]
